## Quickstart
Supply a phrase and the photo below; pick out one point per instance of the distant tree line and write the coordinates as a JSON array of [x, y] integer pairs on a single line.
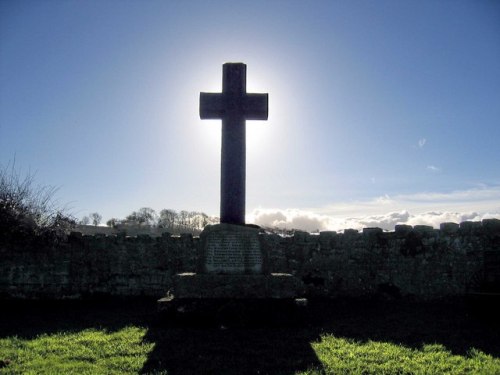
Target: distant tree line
[[167, 219], [283, 232]]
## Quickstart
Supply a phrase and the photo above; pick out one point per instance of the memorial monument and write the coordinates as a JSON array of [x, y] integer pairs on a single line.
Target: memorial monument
[[232, 258]]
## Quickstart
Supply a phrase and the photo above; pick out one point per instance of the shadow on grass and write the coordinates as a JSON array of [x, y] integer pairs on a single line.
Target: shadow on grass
[[459, 324], [232, 338], [278, 345], [29, 319], [283, 345]]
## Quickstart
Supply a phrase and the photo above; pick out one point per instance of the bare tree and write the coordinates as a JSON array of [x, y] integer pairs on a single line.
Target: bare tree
[[133, 217], [197, 220], [204, 220], [148, 215], [112, 222], [27, 208], [168, 218], [96, 218], [144, 215], [85, 220], [183, 219]]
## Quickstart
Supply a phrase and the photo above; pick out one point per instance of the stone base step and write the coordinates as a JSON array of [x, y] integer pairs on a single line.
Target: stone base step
[[228, 312], [214, 286]]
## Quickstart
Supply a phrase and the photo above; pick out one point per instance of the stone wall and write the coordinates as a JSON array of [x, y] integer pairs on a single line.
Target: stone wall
[[411, 261]]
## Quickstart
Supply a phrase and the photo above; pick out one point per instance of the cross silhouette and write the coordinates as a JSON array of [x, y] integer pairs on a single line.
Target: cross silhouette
[[233, 106]]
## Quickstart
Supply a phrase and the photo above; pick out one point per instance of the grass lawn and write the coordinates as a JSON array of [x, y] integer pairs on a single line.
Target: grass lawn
[[333, 337]]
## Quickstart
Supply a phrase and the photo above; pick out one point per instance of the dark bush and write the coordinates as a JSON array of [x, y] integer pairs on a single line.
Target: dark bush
[[27, 209]]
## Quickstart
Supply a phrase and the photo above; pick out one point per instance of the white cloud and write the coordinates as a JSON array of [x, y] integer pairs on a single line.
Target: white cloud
[[385, 212], [289, 219], [387, 221], [422, 142], [433, 168], [308, 221], [385, 199], [272, 218]]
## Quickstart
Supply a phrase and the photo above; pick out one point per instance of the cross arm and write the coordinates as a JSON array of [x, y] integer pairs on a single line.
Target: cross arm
[[255, 106], [211, 106]]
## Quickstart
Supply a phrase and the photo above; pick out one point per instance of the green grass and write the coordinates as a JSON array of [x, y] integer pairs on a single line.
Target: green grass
[[344, 356], [339, 339], [89, 351], [93, 351]]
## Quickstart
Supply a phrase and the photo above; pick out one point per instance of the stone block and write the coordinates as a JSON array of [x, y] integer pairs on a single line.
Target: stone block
[[403, 228], [325, 240], [469, 227], [301, 237], [372, 231], [491, 226], [144, 238], [212, 286], [351, 232], [423, 229], [449, 228]]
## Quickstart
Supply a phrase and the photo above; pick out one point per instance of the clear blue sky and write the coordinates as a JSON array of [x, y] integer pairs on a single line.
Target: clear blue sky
[[379, 112]]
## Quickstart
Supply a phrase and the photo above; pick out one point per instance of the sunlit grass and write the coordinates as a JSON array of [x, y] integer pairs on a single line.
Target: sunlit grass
[[85, 352], [344, 356], [93, 351]]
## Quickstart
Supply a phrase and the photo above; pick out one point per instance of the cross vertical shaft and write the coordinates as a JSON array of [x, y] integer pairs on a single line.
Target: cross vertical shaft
[[233, 171], [234, 106]]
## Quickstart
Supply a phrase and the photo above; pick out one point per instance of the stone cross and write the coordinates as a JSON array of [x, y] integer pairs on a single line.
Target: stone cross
[[233, 106]]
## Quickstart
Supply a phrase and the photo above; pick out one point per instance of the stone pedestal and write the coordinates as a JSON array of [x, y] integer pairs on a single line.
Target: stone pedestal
[[233, 264]]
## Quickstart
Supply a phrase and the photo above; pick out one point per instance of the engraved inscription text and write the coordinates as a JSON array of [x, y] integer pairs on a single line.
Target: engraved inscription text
[[232, 252]]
